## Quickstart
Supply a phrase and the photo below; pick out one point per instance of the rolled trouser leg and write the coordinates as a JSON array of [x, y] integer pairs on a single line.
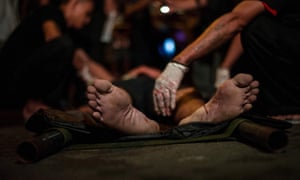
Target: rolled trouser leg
[[188, 100]]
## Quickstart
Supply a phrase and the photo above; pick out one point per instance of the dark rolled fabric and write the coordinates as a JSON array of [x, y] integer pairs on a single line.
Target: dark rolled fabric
[[43, 145], [265, 137]]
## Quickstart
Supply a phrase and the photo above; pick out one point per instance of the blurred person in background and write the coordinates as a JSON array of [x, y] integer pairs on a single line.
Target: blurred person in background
[[9, 18], [37, 64], [42, 64]]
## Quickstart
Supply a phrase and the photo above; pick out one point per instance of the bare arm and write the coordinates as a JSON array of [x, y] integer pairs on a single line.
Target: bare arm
[[220, 31], [51, 30], [142, 70], [234, 52], [81, 59], [132, 8], [177, 5]]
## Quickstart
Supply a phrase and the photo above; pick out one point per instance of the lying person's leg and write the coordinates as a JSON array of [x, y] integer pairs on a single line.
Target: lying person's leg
[[188, 100], [112, 105], [232, 98]]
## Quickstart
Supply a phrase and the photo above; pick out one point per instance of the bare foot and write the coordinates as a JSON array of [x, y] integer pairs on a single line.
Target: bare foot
[[112, 106], [232, 98]]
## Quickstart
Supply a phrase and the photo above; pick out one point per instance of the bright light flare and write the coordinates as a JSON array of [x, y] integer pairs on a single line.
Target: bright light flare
[[164, 9]]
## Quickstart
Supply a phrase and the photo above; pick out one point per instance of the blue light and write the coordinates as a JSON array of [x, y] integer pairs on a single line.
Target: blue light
[[169, 47]]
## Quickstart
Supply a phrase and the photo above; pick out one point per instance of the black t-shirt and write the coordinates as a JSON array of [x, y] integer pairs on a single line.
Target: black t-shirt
[[287, 11], [28, 36], [271, 43]]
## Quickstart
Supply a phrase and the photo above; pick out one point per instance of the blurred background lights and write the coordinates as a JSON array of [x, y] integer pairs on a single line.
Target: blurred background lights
[[168, 48], [164, 9]]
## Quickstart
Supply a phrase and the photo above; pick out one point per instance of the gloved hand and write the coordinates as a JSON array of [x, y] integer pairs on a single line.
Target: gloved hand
[[166, 85]]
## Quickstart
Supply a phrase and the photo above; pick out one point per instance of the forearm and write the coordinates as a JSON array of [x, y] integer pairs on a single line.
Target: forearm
[[99, 71], [215, 35], [132, 8], [220, 31], [81, 59], [179, 5]]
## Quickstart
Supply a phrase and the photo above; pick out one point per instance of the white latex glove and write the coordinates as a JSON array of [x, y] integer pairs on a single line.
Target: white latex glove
[[86, 75], [222, 75], [166, 85]]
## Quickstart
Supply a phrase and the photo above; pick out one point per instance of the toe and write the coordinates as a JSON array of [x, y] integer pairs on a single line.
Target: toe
[[252, 98], [254, 91], [99, 109], [91, 89], [91, 96], [247, 107], [103, 86], [92, 104], [254, 84], [242, 80], [98, 116]]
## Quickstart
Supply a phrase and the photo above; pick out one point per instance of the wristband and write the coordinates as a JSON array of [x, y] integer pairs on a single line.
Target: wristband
[[180, 66]]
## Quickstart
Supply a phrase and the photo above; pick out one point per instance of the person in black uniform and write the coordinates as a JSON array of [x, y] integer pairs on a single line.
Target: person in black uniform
[[270, 45], [37, 59], [269, 37]]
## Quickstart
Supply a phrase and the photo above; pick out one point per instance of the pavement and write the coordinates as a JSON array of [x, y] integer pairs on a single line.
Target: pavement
[[229, 159]]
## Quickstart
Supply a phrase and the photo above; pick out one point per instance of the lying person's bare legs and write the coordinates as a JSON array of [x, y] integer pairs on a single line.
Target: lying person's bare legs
[[188, 100], [112, 106], [232, 98]]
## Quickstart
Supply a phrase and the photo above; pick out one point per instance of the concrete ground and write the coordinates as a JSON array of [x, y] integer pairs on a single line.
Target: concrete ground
[[205, 160]]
